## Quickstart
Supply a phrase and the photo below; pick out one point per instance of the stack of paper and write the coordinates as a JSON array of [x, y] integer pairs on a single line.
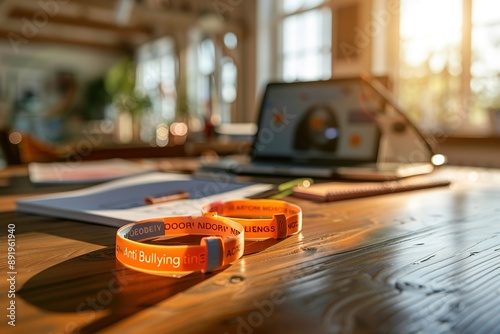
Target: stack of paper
[[117, 202]]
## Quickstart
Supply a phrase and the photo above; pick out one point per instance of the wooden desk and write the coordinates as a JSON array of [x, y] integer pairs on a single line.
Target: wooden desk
[[424, 261]]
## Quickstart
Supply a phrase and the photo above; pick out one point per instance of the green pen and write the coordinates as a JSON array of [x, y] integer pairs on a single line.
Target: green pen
[[284, 189]]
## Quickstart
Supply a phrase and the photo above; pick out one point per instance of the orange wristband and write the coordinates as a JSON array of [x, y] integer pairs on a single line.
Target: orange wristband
[[213, 252], [261, 218]]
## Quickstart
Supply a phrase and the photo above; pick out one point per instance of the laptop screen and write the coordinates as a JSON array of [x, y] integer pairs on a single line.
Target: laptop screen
[[322, 122]]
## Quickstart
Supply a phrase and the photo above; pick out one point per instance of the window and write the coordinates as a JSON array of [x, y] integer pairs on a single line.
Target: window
[[156, 75], [448, 76], [229, 88], [485, 64], [206, 92], [213, 78], [449, 73], [305, 27]]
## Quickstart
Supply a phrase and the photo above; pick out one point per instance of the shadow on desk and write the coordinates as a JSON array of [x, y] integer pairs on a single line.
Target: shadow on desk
[[99, 284]]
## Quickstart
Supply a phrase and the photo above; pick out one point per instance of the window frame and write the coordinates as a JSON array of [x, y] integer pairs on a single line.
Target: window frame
[[460, 122], [278, 54], [338, 67], [142, 59]]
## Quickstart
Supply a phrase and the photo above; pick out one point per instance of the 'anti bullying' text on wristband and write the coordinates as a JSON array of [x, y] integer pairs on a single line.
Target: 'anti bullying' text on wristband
[[224, 245]]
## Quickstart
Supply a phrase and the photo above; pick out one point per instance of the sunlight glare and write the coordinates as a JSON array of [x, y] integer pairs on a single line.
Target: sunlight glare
[[439, 23]]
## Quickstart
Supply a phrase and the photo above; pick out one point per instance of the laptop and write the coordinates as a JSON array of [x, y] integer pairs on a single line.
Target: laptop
[[323, 129]]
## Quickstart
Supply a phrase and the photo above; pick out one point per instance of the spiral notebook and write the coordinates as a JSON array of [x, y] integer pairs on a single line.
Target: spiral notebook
[[336, 191]]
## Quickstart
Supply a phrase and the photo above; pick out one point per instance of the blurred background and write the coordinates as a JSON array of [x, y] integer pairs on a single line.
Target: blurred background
[[167, 73]]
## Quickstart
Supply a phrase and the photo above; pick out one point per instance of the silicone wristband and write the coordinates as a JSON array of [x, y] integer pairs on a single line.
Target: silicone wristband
[[213, 252], [261, 218]]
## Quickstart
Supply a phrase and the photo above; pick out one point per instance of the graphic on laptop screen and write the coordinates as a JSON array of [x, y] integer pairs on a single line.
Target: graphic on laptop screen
[[323, 121]]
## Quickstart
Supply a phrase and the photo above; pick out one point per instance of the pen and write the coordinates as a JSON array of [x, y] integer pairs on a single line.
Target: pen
[[286, 188], [283, 189], [164, 199]]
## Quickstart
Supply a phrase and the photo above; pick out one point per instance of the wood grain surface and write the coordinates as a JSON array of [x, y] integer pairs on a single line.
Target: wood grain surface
[[426, 261]]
